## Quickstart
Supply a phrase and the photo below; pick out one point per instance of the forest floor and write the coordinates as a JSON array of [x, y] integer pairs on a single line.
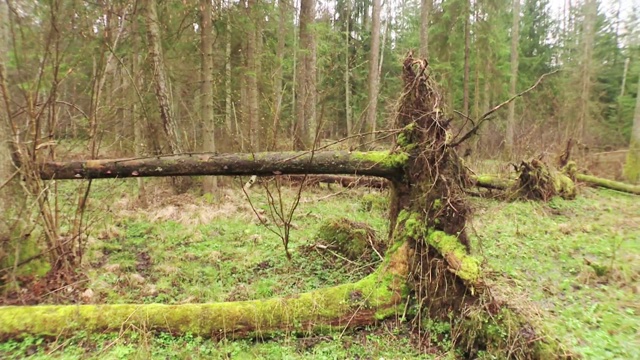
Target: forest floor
[[573, 265]]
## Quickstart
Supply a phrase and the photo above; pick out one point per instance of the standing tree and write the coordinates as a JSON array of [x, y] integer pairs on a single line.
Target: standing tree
[[305, 126], [253, 71], [160, 77], [7, 168], [590, 10], [515, 38], [374, 75], [632, 166], [206, 93], [425, 13]]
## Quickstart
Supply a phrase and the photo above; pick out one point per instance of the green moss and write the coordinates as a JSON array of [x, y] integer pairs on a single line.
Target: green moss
[[632, 164], [318, 311], [397, 160], [448, 245], [564, 186], [352, 239]]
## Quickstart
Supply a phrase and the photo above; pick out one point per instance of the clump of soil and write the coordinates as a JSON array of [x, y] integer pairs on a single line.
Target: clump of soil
[[353, 240]]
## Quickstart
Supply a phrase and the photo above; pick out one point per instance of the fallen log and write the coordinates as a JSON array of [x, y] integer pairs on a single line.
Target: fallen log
[[376, 297], [609, 184], [376, 163], [494, 182]]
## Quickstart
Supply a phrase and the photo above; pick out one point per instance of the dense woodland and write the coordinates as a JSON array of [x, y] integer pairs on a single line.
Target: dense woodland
[[152, 78], [175, 77]]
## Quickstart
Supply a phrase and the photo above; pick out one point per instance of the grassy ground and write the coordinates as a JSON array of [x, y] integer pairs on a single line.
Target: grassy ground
[[573, 265]]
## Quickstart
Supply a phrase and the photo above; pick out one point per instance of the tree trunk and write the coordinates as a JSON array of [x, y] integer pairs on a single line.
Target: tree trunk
[[515, 38], [467, 45], [8, 185], [632, 165], [160, 78], [377, 296], [252, 76], [278, 91], [228, 100], [379, 163], [425, 13], [374, 75], [590, 17], [347, 71], [209, 184], [305, 129], [138, 139]]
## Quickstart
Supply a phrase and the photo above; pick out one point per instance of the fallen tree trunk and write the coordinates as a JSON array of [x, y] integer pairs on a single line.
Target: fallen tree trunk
[[377, 296], [377, 163], [494, 182], [609, 184]]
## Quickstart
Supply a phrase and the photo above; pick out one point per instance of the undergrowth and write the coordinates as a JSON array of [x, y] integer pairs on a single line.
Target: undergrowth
[[573, 266]]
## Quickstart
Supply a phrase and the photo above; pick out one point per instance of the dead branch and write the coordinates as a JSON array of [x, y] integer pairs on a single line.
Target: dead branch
[[486, 115]]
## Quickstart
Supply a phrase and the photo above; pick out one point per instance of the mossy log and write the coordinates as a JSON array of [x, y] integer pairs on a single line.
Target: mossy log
[[377, 296], [609, 184], [494, 182]]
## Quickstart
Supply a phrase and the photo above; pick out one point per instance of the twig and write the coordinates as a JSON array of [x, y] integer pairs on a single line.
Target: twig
[[486, 115]]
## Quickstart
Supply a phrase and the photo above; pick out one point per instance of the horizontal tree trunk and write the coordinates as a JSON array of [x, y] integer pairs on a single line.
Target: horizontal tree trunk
[[377, 296], [609, 184], [493, 182], [376, 163]]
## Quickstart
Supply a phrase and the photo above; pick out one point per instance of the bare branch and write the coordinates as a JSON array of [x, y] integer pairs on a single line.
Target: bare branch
[[486, 115]]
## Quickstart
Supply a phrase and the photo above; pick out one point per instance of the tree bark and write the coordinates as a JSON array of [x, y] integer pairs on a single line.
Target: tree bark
[[305, 128], [590, 17], [253, 105], [374, 75], [160, 78], [425, 13], [138, 139], [632, 165], [467, 65], [7, 167], [228, 100], [347, 71], [209, 183], [515, 38], [379, 163], [278, 91]]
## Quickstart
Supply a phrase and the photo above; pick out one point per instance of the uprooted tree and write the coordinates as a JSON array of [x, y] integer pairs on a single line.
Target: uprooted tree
[[427, 264]]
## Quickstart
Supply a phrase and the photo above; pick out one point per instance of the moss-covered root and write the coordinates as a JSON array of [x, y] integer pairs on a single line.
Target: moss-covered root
[[373, 298], [609, 184]]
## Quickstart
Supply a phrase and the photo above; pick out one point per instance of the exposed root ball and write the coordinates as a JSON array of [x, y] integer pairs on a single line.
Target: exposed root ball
[[537, 181]]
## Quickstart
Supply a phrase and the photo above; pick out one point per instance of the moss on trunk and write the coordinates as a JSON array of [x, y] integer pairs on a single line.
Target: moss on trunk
[[373, 298]]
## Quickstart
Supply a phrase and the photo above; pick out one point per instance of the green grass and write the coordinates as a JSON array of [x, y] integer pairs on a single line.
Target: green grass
[[574, 266]]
